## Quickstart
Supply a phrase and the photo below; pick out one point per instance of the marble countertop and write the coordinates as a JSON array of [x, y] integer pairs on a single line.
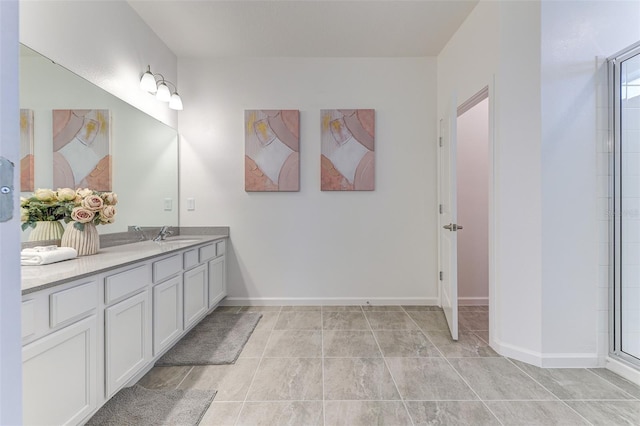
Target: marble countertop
[[36, 278]]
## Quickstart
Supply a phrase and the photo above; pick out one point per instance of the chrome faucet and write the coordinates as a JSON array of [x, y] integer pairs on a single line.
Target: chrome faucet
[[140, 232], [164, 232]]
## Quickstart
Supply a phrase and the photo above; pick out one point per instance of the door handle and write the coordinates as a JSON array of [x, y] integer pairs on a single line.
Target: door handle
[[453, 227]]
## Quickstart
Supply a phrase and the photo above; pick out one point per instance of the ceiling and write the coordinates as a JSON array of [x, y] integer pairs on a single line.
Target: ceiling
[[304, 28]]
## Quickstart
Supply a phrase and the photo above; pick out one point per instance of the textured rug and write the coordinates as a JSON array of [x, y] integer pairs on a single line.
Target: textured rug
[[217, 339], [138, 406]]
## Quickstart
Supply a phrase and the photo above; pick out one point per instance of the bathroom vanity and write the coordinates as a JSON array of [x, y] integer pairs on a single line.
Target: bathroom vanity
[[95, 324]]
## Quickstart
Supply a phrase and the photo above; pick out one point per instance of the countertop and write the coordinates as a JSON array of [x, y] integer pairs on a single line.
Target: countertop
[[36, 278]]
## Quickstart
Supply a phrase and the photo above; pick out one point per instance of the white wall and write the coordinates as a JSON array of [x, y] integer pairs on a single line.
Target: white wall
[[498, 45], [575, 290], [549, 293], [105, 42], [340, 247], [10, 347], [473, 205]]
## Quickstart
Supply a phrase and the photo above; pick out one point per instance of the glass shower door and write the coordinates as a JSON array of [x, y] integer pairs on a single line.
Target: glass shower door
[[626, 123]]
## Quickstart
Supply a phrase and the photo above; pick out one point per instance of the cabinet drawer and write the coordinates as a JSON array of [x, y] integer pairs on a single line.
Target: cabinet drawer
[[72, 303], [163, 269], [220, 248], [190, 258], [122, 284], [207, 252]]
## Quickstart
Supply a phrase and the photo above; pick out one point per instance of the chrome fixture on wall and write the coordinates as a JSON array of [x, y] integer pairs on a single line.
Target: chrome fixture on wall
[[156, 84]]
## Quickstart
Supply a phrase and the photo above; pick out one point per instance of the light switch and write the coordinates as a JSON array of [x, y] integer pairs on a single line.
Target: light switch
[[191, 203], [168, 204]]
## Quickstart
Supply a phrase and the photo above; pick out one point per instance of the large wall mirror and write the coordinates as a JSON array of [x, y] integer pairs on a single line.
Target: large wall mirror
[[144, 151]]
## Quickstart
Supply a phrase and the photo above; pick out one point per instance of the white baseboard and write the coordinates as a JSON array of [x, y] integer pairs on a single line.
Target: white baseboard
[[547, 360], [473, 301], [622, 369], [329, 301]]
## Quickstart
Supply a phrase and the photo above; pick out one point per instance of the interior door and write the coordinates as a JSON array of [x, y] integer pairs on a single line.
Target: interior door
[[448, 241]]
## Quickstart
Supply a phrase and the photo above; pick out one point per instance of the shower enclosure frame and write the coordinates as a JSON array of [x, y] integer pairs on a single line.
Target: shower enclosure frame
[[617, 212]]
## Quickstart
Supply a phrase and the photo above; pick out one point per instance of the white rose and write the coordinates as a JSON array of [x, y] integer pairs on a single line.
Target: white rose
[[107, 214], [65, 194], [110, 198], [44, 194], [84, 192], [24, 214]]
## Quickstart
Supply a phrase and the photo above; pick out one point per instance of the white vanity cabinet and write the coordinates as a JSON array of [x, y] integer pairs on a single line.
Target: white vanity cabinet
[[217, 276], [127, 317], [61, 363], [86, 339], [195, 295], [168, 303]]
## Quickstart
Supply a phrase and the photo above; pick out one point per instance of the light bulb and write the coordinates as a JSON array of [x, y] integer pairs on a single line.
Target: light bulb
[[163, 94], [175, 102], [148, 82]]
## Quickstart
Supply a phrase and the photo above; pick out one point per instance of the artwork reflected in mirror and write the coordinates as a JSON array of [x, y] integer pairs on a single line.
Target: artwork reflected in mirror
[[81, 149], [27, 161], [107, 145], [272, 150], [347, 152]]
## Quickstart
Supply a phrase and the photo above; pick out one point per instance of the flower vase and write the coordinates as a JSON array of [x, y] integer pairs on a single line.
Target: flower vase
[[46, 230], [86, 241]]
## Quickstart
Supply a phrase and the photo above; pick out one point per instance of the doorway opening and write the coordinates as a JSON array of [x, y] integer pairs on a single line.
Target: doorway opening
[[473, 182]]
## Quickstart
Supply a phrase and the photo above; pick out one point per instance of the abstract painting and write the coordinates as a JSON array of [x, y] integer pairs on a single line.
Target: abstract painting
[[347, 152], [82, 149], [27, 160], [272, 150]]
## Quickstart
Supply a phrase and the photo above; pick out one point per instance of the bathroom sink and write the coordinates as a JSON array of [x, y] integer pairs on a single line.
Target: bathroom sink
[[181, 240]]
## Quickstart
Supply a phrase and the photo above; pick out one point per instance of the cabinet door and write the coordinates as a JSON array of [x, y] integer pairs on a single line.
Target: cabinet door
[[217, 281], [167, 313], [59, 375], [195, 295], [127, 340]]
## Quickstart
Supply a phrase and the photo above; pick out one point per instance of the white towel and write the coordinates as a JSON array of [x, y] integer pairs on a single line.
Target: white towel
[[32, 257]]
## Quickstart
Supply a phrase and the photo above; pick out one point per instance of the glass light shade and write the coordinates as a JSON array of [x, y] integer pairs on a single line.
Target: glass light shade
[[163, 94], [148, 82], [175, 102]]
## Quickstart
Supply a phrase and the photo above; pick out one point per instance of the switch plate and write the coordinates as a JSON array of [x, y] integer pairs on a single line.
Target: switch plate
[[191, 204], [168, 204]]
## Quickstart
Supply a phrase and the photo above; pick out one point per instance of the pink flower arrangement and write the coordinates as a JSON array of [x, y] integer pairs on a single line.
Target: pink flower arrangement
[[82, 206]]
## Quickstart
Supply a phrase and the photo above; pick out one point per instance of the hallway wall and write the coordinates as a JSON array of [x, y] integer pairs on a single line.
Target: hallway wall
[[473, 205]]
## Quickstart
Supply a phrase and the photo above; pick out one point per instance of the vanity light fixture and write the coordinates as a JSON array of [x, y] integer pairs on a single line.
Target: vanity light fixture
[[156, 84]]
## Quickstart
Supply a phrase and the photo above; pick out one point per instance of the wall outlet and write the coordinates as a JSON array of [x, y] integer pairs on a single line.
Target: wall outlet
[[191, 204], [168, 204]]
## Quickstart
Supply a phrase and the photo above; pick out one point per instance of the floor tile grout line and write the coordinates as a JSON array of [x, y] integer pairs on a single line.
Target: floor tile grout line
[[549, 390], [613, 384], [185, 377], [255, 373], [457, 372], [386, 364]]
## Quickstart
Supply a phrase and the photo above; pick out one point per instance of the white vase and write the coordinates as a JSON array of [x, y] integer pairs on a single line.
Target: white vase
[[86, 242], [46, 230]]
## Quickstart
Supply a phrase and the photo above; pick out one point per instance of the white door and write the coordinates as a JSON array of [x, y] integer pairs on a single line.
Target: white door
[[448, 241]]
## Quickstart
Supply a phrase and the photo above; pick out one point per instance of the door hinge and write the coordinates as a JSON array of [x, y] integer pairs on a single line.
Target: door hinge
[[441, 208], [441, 275], [440, 141]]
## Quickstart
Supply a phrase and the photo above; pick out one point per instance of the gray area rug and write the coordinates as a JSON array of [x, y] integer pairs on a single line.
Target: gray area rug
[[138, 406], [217, 339]]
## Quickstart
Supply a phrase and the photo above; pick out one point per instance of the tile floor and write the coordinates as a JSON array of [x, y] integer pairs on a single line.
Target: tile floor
[[393, 365]]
